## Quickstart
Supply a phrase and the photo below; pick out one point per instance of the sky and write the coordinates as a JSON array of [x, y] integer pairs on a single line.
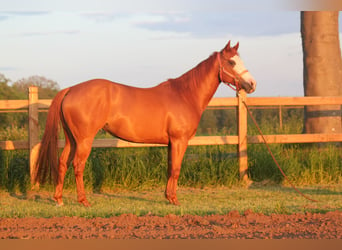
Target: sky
[[143, 43]]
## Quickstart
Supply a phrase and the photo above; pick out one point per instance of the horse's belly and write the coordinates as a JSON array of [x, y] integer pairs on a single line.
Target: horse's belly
[[142, 132]]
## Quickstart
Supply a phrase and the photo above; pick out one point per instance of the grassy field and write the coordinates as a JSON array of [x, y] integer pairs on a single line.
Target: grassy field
[[116, 179], [258, 198]]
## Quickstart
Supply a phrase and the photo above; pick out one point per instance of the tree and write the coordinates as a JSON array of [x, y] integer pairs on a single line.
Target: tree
[[19, 90], [322, 69], [47, 88], [6, 92]]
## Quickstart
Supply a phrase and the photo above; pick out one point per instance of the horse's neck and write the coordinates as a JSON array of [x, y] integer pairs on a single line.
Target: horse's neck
[[199, 84], [205, 78]]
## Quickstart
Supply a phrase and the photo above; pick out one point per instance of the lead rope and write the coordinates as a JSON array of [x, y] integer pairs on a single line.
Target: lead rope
[[274, 159]]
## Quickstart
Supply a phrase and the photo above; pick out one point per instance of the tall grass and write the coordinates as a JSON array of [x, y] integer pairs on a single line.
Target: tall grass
[[13, 133], [147, 167], [203, 166], [303, 164]]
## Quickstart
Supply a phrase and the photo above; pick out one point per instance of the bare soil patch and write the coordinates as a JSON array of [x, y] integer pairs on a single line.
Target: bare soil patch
[[233, 225]]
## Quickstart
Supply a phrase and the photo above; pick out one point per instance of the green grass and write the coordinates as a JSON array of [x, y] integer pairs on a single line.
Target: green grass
[[261, 199], [13, 133], [208, 174], [203, 166]]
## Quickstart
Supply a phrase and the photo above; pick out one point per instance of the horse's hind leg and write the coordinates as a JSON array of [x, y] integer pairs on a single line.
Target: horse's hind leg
[[62, 169], [83, 149]]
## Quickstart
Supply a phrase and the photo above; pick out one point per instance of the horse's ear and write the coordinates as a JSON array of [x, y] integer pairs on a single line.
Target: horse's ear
[[227, 46], [236, 47]]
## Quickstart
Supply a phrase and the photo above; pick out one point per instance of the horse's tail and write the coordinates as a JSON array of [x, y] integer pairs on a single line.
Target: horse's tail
[[47, 162]]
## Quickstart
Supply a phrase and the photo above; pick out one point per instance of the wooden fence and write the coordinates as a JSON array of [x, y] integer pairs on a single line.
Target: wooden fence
[[33, 105]]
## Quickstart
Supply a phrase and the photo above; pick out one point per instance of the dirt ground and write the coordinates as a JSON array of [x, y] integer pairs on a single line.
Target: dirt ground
[[230, 226]]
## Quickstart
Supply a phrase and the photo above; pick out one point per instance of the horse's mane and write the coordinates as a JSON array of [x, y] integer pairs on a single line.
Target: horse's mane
[[190, 80]]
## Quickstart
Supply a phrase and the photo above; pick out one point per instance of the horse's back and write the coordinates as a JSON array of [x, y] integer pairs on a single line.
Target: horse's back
[[134, 114]]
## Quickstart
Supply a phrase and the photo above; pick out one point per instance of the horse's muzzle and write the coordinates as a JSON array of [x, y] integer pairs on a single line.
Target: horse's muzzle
[[249, 86]]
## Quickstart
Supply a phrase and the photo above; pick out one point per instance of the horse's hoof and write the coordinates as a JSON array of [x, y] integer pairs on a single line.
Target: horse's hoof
[[61, 204], [174, 201], [85, 203]]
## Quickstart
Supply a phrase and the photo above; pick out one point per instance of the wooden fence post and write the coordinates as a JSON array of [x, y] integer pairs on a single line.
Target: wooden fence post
[[242, 135], [33, 133], [281, 117]]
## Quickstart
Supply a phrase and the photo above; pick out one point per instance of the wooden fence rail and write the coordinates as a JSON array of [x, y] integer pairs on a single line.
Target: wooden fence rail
[[33, 105]]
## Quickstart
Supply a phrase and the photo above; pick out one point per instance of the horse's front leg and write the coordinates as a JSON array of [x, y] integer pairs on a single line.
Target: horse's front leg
[[176, 152]]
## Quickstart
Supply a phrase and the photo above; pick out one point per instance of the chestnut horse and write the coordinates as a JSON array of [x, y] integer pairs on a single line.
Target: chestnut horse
[[168, 113]]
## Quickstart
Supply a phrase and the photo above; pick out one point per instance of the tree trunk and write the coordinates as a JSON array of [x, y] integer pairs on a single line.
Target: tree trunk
[[322, 69]]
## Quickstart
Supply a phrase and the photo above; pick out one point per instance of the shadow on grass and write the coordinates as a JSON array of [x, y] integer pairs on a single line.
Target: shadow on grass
[[39, 198]]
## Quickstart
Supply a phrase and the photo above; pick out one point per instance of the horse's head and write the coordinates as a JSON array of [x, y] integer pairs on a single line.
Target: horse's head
[[232, 70]]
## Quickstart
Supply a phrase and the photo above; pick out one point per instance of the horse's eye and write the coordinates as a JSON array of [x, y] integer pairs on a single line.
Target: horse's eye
[[231, 62]]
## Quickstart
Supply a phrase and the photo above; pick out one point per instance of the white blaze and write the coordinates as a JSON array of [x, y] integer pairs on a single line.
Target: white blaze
[[239, 68]]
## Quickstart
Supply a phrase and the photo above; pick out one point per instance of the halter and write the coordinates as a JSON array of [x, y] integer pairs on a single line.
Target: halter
[[235, 85]]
